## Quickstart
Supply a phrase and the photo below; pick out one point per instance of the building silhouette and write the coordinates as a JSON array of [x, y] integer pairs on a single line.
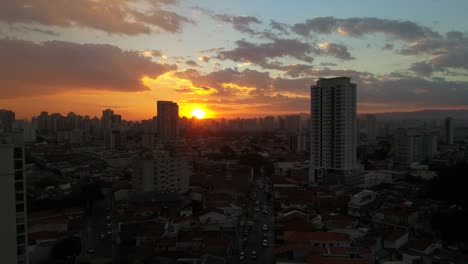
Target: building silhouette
[[333, 127], [167, 120]]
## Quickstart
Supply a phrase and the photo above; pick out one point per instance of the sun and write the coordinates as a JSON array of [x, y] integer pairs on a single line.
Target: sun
[[198, 113]]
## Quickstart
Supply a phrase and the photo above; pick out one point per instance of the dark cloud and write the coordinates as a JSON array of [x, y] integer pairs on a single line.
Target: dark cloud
[[448, 52], [388, 46], [31, 69], [118, 16], [422, 68], [240, 23], [192, 63], [261, 53], [336, 50], [280, 27], [358, 27]]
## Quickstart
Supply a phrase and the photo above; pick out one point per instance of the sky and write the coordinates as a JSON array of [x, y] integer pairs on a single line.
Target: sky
[[231, 58]]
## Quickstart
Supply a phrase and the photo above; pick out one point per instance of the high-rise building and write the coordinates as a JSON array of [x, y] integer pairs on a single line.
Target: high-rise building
[[293, 123], [167, 120], [169, 170], [413, 146], [7, 118], [333, 127], [448, 131], [115, 139], [13, 229], [371, 128], [269, 123]]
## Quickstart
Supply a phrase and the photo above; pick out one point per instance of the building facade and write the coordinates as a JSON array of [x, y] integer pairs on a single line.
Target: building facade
[[333, 127], [448, 130], [167, 120], [167, 171], [13, 229]]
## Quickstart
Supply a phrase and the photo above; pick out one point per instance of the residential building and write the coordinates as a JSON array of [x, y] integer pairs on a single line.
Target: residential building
[[116, 139], [333, 136], [448, 131], [168, 170], [13, 230], [371, 128], [7, 118], [413, 146], [167, 120]]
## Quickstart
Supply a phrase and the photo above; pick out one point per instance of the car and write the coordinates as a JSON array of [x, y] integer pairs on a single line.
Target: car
[[253, 254], [265, 243], [241, 256], [90, 251], [108, 225], [109, 233], [265, 227], [108, 209], [257, 202], [102, 236], [265, 211], [108, 218], [257, 209], [246, 232], [265, 236]]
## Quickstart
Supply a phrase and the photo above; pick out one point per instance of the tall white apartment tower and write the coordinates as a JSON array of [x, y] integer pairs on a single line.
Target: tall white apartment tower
[[333, 127], [13, 231]]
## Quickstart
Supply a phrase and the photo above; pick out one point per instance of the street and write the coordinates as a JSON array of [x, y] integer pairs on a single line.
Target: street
[[257, 203]]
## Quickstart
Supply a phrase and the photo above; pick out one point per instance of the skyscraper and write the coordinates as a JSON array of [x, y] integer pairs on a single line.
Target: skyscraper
[[333, 128], [7, 118], [371, 128], [168, 120], [13, 238], [448, 131]]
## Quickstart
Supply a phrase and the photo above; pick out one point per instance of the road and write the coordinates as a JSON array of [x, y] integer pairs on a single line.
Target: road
[[256, 235], [97, 224]]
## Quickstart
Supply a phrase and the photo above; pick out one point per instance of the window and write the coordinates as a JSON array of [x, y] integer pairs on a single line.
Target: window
[[18, 175], [19, 197], [19, 187], [18, 153], [18, 164], [20, 229], [20, 208]]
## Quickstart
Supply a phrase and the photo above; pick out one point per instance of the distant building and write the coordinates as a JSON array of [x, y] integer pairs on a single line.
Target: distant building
[[167, 120], [298, 142], [269, 123], [333, 136], [13, 229], [413, 146], [7, 118], [361, 202], [293, 123], [371, 128], [168, 170], [448, 131], [116, 139]]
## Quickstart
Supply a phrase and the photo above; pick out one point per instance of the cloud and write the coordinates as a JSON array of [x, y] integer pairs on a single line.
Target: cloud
[[118, 16], [336, 50], [31, 69], [260, 53], [358, 27], [240, 23], [387, 46], [280, 27], [375, 92], [422, 68], [448, 52], [192, 63], [204, 58]]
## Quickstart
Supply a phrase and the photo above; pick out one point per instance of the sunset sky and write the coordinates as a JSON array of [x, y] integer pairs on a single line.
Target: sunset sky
[[232, 58]]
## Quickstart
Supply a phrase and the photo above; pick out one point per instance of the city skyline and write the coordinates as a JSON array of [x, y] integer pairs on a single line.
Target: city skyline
[[230, 59]]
